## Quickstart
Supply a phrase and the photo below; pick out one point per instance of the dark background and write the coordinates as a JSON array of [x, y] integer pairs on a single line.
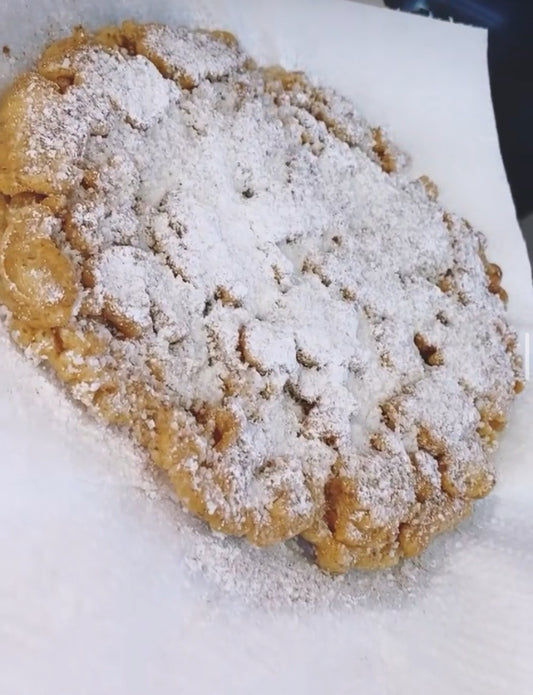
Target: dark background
[[510, 25]]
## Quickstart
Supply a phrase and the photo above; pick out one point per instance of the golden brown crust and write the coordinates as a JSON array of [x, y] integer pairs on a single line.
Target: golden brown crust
[[40, 284], [37, 282]]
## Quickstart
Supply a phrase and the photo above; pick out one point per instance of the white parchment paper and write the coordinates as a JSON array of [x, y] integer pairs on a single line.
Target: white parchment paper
[[108, 588]]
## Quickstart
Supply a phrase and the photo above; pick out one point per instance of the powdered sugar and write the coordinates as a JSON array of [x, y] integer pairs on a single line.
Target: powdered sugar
[[191, 56], [245, 232]]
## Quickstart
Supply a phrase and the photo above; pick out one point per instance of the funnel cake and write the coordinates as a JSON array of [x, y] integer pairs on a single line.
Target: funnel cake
[[232, 264]]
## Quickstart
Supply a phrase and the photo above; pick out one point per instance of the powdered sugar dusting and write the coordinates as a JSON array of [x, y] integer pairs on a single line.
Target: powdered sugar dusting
[[241, 232], [192, 55]]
